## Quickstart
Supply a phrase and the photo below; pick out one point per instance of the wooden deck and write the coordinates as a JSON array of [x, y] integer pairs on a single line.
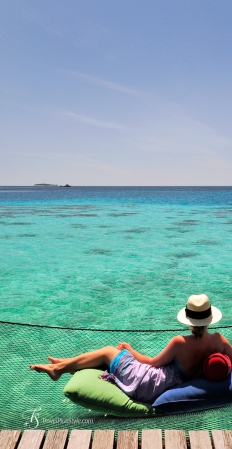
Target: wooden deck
[[105, 439]]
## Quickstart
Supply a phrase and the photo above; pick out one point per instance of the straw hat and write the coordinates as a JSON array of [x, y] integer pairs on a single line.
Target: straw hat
[[199, 312]]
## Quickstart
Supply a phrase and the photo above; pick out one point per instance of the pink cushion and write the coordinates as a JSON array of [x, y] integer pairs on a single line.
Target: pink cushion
[[217, 367]]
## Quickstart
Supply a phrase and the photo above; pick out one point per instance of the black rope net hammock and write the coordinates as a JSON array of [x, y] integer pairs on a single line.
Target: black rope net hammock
[[32, 400]]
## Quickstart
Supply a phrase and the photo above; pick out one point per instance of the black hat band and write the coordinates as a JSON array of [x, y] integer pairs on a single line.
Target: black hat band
[[198, 315]]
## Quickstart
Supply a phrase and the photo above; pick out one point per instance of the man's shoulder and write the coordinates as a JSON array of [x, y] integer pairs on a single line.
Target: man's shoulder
[[179, 339], [217, 336]]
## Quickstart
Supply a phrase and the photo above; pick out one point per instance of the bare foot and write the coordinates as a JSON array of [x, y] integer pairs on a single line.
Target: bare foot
[[52, 371], [54, 360]]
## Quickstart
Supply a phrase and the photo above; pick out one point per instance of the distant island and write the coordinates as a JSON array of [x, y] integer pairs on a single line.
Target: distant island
[[50, 185]]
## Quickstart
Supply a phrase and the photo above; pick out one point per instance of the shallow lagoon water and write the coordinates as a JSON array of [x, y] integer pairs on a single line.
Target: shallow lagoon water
[[113, 258], [108, 258]]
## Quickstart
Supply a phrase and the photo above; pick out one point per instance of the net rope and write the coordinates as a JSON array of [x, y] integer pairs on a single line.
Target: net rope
[[32, 400]]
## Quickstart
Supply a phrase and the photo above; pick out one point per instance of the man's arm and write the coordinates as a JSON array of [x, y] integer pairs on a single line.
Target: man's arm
[[165, 357], [137, 355], [227, 349]]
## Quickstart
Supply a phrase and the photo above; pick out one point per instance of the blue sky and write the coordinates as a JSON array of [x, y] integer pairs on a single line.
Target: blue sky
[[114, 92]]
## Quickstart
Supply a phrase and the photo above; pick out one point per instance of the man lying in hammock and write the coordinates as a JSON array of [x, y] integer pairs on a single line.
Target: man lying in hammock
[[145, 378]]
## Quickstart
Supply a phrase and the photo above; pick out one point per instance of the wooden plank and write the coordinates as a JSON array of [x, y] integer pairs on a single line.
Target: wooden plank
[[175, 439], [31, 439], [222, 439], [151, 439], [127, 439], [200, 439], [56, 439], [103, 439], [80, 439], [9, 438]]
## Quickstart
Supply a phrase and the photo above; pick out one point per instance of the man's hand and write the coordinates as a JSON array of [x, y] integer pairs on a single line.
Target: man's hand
[[124, 345]]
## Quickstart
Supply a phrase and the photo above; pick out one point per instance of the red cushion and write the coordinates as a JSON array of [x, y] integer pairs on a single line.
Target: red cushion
[[217, 367]]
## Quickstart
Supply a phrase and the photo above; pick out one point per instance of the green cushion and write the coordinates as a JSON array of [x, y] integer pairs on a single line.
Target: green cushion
[[86, 389]]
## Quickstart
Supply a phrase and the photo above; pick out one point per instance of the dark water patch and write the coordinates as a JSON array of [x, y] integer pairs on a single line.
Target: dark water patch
[[8, 215], [229, 222], [78, 225], [75, 215], [123, 214], [225, 210], [137, 230], [56, 215], [100, 252], [207, 242], [63, 211], [191, 221], [172, 264], [21, 211], [105, 226], [46, 215], [63, 215], [176, 229], [199, 213], [40, 211], [184, 255], [18, 235], [19, 223], [49, 211], [26, 235], [188, 214], [56, 207], [220, 215], [64, 236], [3, 223], [88, 207], [183, 231], [86, 215], [76, 208], [187, 223]]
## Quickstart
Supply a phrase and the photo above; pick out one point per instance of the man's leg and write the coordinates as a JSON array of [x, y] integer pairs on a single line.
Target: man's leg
[[87, 360]]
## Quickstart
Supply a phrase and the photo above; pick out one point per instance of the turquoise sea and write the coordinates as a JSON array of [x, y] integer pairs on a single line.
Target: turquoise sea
[[113, 257], [103, 258]]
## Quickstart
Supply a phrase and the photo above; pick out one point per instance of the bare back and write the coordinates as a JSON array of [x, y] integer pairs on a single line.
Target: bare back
[[192, 352]]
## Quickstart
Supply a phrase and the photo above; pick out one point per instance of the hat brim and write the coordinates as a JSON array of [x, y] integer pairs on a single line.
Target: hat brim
[[213, 318]]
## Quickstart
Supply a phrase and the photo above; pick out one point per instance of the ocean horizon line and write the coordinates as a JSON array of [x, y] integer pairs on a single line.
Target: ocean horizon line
[[122, 186]]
